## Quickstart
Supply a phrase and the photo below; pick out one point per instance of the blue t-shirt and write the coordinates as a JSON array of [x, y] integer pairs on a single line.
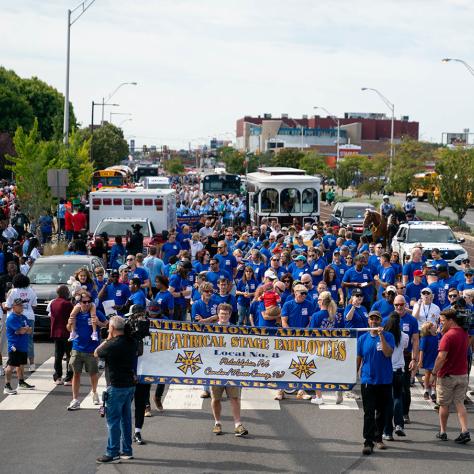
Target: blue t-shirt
[[119, 293], [259, 270], [319, 264], [359, 318], [19, 341], [84, 343], [410, 267], [340, 269], [213, 277], [140, 273], [384, 307], [137, 298], [256, 310], [179, 284], [321, 320], [386, 275], [298, 314], [429, 346], [465, 286], [205, 310], [228, 299], [439, 294], [162, 304], [117, 256], [227, 263], [246, 287], [297, 273], [169, 249], [413, 292], [409, 325], [364, 276], [376, 367], [154, 267]]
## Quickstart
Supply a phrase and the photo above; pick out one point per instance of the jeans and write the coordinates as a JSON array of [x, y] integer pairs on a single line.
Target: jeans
[[61, 347], [160, 388], [395, 410], [406, 385], [375, 400], [244, 312], [142, 397], [31, 346], [179, 313], [119, 420]]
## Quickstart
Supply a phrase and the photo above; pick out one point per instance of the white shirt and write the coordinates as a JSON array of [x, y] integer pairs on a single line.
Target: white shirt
[[428, 313], [398, 361], [29, 300], [307, 234]]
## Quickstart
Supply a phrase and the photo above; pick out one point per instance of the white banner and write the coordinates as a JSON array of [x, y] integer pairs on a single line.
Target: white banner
[[205, 354]]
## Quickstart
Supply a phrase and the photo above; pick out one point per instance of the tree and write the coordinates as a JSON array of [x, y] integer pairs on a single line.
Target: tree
[[456, 185], [234, 160], [410, 158], [30, 167], [344, 175], [174, 166], [436, 200], [288, 157], [314, 163], [373, 170], [108, 145]]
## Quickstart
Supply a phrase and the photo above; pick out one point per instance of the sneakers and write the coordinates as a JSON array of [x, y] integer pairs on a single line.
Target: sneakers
[[137, 437], [387, 437], [368, 449], [240, 431], [101, 364], [217, 430], [302, 395], [406, 420], [95, 398], [126, 456], [74, 405], [94, 336], [433, 397], [108, 459], [32, 368], [380, 445], [280, 395], [339, 398], [67, 383], [205, 394], [353, 395], [73, 336], [442, 436], [317, 401], [148, 413], [8, 390], [159, 405], [25, 385], [399, 431], [426, 396], [463, 438], [59, 381]]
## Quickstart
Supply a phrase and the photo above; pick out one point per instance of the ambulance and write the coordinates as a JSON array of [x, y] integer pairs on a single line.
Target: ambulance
[[156, 206]]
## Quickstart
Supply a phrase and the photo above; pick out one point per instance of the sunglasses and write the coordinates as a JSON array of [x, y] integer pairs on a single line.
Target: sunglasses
[[425, 293], [303, 292], [452, 296], [399, 304], [400, 287], [358, 296], [86, 301], [286, 281], [130, 259]]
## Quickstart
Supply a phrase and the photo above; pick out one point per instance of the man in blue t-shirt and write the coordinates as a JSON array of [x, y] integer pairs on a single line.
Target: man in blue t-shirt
[[415, 263], [18, 330], [138, 272], [215, 272], [385, 305], [83, 347], [374, 359], [413, 289], [172, 247], [114, 290], [296, 313], [227, 261], [360, 277], [154, 266]]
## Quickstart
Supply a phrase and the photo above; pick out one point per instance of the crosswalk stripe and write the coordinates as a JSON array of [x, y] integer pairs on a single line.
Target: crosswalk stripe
[[259, 399], [183, 397], [87, 403], [330, 403], [30, 399]]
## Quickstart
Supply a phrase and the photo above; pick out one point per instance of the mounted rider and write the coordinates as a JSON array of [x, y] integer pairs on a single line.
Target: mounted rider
[[409, 205], [386, 208]]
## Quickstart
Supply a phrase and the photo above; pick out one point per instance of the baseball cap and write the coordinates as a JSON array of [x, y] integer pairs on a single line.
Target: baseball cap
[[270, 274], [469, 271], [300, 288], [123, 267], [418, 273], [300, 258], [357, 292], [427, 290], [375, 314], [390, 288], [114, 273], [135, 309], [432, 272], [18, 301]]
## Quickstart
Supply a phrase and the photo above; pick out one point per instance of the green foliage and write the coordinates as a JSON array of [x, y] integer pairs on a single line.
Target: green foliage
[[372, 171], [174, 166], [410, 158], [21, 100], [314, 163], [234, 160], [456, 186], [108, 145], [288, 157]]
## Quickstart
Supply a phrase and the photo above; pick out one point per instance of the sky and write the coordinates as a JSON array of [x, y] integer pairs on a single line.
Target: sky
[[202, 64]]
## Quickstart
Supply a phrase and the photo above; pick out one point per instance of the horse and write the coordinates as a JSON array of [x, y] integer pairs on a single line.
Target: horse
[[376, 224]]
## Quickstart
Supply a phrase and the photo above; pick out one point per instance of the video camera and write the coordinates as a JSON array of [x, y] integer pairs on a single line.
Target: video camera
[[464, 315], [137, 325]]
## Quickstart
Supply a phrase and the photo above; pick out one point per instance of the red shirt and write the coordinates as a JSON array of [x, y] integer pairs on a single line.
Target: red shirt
[[68, 221], [60, 309], [79, 221], [455, 342], [271, 298]]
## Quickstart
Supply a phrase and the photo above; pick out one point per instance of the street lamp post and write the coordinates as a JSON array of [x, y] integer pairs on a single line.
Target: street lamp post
[[126, 120], [82, 7], [117, 113], [106, 101], [95, 104], [391, 106], [338, 123], [467, 66]]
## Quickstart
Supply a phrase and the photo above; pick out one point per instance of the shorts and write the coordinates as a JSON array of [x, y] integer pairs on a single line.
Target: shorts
[[17, 358], [217, 392], [451, 389], [87, 360]]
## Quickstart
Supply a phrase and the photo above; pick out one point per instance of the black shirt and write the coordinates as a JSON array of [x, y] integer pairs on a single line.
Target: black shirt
[[120, 355]]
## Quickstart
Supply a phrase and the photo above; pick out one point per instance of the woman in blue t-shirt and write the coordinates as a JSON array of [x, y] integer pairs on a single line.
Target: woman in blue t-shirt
[[162, 305], [201, 264], [245, 291], [334, 285], [355, 314], [117, 253]]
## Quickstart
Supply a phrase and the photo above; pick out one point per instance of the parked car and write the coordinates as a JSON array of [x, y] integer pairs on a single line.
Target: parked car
[[47, 273], [346, 214]]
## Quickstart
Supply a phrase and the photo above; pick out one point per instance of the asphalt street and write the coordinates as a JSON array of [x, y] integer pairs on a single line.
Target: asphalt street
[[295, 437]]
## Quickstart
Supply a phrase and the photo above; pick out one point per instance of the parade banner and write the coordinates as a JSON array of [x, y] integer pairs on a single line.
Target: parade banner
[[206, 354], [191, 221]]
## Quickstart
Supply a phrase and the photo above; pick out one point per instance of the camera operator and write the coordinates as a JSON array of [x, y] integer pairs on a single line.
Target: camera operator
[[120, 353], [451, 369]]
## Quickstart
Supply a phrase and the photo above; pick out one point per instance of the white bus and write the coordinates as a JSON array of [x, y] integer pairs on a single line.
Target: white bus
[[156, 182], [283, 194]]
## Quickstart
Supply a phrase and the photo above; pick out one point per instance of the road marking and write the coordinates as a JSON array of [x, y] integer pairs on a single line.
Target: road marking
[[183, 397], [259, 399], [43, 381], [87, 403], [330, 402]]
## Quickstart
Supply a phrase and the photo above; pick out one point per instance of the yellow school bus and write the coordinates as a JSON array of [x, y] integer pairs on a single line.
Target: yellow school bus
[[424, 184], [112, 177]]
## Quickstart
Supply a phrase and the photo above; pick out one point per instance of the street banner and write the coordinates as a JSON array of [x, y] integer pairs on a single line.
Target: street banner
[[242, 356], [191, 221]]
